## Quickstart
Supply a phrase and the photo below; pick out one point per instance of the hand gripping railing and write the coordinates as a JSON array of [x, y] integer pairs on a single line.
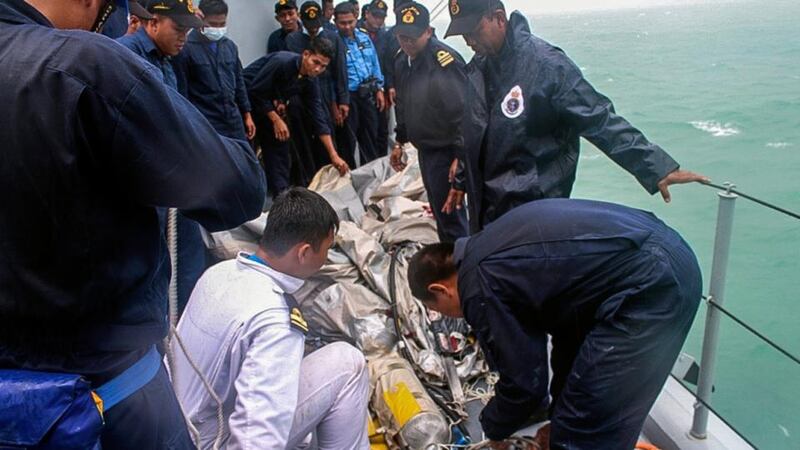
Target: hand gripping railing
[[715, 298]]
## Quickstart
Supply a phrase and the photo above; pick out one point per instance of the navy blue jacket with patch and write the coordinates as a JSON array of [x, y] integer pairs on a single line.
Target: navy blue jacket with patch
[[94, 145], [528, 107], [212, 74]]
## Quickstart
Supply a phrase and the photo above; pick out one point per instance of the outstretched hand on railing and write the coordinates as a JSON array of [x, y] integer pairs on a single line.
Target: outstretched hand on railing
[[679, 177]]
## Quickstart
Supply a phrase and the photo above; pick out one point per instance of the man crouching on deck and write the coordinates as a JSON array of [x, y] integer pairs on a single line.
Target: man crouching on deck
[[244, 330], [616, 289]]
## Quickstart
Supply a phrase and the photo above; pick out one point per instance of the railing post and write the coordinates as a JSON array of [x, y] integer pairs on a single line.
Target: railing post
[[719, 267]]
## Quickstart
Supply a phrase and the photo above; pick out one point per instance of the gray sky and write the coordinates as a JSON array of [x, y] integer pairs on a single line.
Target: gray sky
[[551, 6]]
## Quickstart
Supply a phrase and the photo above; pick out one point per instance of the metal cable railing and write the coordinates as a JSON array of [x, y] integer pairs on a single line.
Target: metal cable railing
[[728, 187], [716, 413], [752, 330], [715, 299]]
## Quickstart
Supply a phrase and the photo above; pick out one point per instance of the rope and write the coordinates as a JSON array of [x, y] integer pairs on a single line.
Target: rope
[[172, 292], [220, 413], [172, 246], [473, 392], [752, 330], [756, 200]]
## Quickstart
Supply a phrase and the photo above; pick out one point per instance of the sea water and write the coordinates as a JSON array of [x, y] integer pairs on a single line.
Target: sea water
[[717, 85]]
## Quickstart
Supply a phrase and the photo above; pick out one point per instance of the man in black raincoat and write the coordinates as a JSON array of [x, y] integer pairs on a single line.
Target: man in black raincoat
[[529, 106]]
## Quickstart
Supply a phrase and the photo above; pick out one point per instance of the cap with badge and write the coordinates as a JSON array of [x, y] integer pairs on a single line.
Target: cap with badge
[[465, 15], [138, 10], [378, 8], [284, 4], [311, 14], [180, 11], [413, 19]]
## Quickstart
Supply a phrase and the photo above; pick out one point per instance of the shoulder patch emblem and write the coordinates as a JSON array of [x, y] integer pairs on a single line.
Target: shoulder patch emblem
[[514, 104], [297, 321], [444, 57]]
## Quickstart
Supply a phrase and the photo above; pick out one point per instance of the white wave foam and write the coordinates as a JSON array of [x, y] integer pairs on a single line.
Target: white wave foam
[[715, 128], [779, 144]]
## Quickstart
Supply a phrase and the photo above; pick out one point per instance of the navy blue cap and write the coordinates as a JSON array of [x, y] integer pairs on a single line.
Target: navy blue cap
[[281, 5], [466, 14], [181, 11], [412, 19]]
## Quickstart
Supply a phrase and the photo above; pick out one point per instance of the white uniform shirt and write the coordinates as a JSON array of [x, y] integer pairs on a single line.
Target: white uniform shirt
[[237, 329]]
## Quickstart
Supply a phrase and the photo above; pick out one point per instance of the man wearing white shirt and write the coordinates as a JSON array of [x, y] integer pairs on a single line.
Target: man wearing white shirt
[[245, 332]]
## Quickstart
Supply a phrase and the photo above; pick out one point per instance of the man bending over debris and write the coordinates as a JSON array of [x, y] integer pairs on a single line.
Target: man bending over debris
[[615, 287], [245, 332]]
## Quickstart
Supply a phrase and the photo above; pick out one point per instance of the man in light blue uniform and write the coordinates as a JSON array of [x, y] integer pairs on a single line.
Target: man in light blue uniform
[[365, 83]]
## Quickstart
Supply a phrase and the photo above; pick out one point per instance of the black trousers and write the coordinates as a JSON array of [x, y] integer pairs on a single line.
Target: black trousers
[[435, 167], [276, 158], [150, 419], [606, 381], [383, 133], [360, 128]]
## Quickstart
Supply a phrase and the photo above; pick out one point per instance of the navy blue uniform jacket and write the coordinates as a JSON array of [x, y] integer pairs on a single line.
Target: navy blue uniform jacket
[[552, 266], [430, 98], [276, 42], [276, 77], [528, 108], [94, 144], [334, 79], [212, 75]]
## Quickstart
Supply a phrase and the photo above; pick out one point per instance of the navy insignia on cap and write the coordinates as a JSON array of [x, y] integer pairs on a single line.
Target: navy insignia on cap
[[409, 17], [444, 57], [282, 2], [454, 7], [312, 12]]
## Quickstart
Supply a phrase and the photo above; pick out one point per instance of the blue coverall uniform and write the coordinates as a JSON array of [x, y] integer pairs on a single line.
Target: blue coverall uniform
[[276, 42], [617, 290], [276, 78], [430, 110], [528, 107], [191, 249], [94, 145], [312, 155], [212, 75]]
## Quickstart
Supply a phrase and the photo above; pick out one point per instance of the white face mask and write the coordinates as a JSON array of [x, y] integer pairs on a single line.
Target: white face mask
[[214, 34]]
